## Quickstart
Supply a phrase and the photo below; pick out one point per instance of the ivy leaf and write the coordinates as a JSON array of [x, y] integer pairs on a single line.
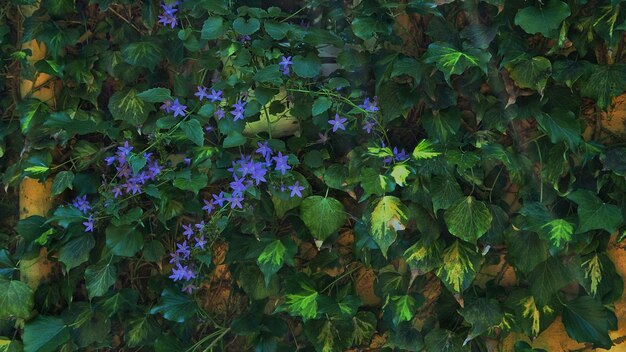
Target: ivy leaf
[[468, 219], [273, 257], [445, 192], [125, 105], [586, 320], [62, 181], [545, 20], [404, 307], [451, 61], [328, 335], [276, 30], [547, 279], [99, 278], [364, 326], [594, 214], [302, 299], [140, 332], [366, 27], [526, 250], [155, 95], [388, 216], [124, 241], [212, 28], [45, 334], [249, 27], [560, 231], [320, 105], [143, 54], [482, 314], [400, 172], [16, 299], [193, 131], [76, 251], [194, 184], [444, 341], [605, 83], [423, 256], [424, 150], [460, 265], [531, 73], [307, 67], [375, 183], [561, 126], [175, 305], [322, 215]]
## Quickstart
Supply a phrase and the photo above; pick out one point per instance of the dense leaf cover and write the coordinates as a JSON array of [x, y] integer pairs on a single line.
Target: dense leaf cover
[[316, 176]]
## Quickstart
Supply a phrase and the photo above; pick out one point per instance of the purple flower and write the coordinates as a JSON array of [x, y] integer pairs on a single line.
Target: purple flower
[[201, 93], [368, 106], [189, 288], [235, 201], [238, 110], [178, 272], [219, 113], [258, 173], [169, 14], [132, 186], [200, 242], [368, 125], [285, 63], [200, 225], [124, 171], [208, 206], [188, 231], [263, 149], [399, 156], [183, 249], [244, 39], [296, 190], [338, 122], [109, 160], [178, 108], [154, 169], [219, 199], [167, 106], [117, 191], [175, 258], [125, 150], [281, 163], [208, 129], [323, 137], [215, 96], [82, 204], [187, 161], [89, 224], [237, 185]]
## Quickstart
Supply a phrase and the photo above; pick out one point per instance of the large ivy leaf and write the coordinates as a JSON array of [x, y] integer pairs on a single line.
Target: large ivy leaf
[[424, 256], [124, 240], [445, 192], [143, 54], [322, 215], [125, 105], [451, 61], [561, 126], [16, 299], [547, 279], [301, 298], [482, 314], [99, 278], [45, 334], [403, 307], [531, 73], [594, 214], [76, 251], [460, 265], [175, 305], [526, 250], [468, 219], [586, 320], [388, 216], [545, 20], [604, 83]]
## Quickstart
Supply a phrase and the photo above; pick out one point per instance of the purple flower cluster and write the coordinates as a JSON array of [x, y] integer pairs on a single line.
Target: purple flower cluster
[[174, 107], [168, 17], [371, 108], [181, 258], [128, 182], [83, 205], [398, 155]]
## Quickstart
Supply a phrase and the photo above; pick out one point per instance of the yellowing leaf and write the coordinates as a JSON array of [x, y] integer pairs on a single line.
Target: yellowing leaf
[[399, 173], [460, 265], [593, 270], [388, 216], [424, 150], [560, 231]]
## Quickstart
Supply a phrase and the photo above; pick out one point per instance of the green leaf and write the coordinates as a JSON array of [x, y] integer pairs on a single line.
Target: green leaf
[[400, 172], [441, 340], [269, 74], [153, 251], [586, 320], [445, 192], [320, 105], [461, 263], [65, 215], [31, 112], [62, 181], [175, 305], [212, 28], [366, 27], [307, 67], [328, 335], [272, 259], [526, 250], [532, 73], [451, 61], [99, 278], [375, 183], [155, 95], [388, 216], [364, 325], [482, 314], [560, 231], [249, 27], [594, 214], [605, 83], [16, 299], [322, 215], [234, 139], [424, 150], [276, 30], [45, 334], [561, 126], [303, 302], [468, 219], [143, 54], [404, 307], [124, 241], [545, 20], [137, 162], [125, 105], [193, 184], [193, 131], [547, 279], [76, 251], [7, 345], [141, 332]]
